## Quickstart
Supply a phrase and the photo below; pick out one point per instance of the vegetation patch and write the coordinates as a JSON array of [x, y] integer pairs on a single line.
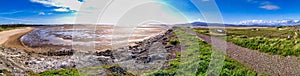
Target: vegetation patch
[[194, 61], [116, 70], [274, 46], [9, 27], [61, 72], [275, 41]]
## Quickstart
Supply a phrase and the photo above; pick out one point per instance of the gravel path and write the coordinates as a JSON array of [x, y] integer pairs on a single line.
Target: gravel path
[[274, 65]]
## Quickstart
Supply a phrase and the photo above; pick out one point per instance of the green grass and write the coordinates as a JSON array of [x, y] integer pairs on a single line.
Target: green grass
[[268, 40], [83, 71], [195, 60], [264, 32], [274, 46], [174, 41], [9, 27], [61, 72]]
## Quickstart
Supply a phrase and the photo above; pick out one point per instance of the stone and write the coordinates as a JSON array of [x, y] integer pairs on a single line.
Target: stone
[[105, 53], [61, 52]]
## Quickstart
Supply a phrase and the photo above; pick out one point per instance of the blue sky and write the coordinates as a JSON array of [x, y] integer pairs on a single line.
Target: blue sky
[[33, 12], [64, 11], [234, 11]]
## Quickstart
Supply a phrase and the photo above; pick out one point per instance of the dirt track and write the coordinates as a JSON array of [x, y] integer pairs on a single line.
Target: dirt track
[[11, 38], [5, 35], [261, 62]]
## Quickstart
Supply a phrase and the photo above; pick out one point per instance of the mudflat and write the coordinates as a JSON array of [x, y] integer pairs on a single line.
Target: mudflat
[[87, 37]]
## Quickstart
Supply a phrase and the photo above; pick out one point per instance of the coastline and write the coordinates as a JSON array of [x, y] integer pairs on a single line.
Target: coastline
[[12, 34]]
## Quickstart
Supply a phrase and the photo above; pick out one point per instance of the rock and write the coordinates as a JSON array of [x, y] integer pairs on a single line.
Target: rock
[[105, 60], [61, 52], [63, 65], [117, 70], [26, 63], [289, 37], [145, 59], [105, 53]]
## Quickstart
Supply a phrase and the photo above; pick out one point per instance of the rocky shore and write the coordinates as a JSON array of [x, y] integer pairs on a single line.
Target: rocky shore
[[139, 58]]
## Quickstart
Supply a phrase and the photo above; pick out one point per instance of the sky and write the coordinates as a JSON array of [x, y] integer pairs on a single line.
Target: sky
[[66, 11]]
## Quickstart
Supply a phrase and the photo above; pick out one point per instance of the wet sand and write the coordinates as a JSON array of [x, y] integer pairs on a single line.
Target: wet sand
[[87, 37]]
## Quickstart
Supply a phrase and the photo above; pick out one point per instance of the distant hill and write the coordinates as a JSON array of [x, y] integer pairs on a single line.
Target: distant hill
[[271, 23], [258, 23]]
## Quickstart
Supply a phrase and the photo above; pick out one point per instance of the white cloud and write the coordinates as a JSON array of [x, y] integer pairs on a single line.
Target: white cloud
[[270, 7], [71, 4], [267, 5], [42, 13], [49, 13], [62, 10], [4, 13]]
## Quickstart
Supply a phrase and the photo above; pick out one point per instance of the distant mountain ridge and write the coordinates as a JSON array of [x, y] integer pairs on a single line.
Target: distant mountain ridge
[[261, 23], [276, 23]]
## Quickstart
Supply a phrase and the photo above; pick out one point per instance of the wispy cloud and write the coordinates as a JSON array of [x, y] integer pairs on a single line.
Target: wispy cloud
[[63, 4], [6, 13], [42, 13], [270, 7], [267, 5], [16, 19], [62, 10]]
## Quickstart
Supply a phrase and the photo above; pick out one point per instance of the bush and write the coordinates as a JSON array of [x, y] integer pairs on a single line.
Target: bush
[[174, 41]]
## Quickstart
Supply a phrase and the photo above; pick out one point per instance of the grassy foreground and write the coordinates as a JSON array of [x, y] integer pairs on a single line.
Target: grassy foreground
[[195, 60]]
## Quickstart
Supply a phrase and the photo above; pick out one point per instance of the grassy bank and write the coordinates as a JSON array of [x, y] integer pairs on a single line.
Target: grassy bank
[[275, 41], [195, 60], [274, 46], [10, 27]]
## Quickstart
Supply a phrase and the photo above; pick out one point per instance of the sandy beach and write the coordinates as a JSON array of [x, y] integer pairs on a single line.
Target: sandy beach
[[11, 35], [11, 38]]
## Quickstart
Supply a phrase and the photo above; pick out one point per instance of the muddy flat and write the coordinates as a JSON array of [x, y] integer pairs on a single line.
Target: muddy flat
[[87, 37]]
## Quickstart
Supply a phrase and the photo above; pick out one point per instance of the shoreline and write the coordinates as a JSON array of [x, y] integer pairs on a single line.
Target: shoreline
[[13, 40], [11, 34]]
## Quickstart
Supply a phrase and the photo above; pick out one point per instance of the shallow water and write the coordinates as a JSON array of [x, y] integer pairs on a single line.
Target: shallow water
[[95, 37]]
